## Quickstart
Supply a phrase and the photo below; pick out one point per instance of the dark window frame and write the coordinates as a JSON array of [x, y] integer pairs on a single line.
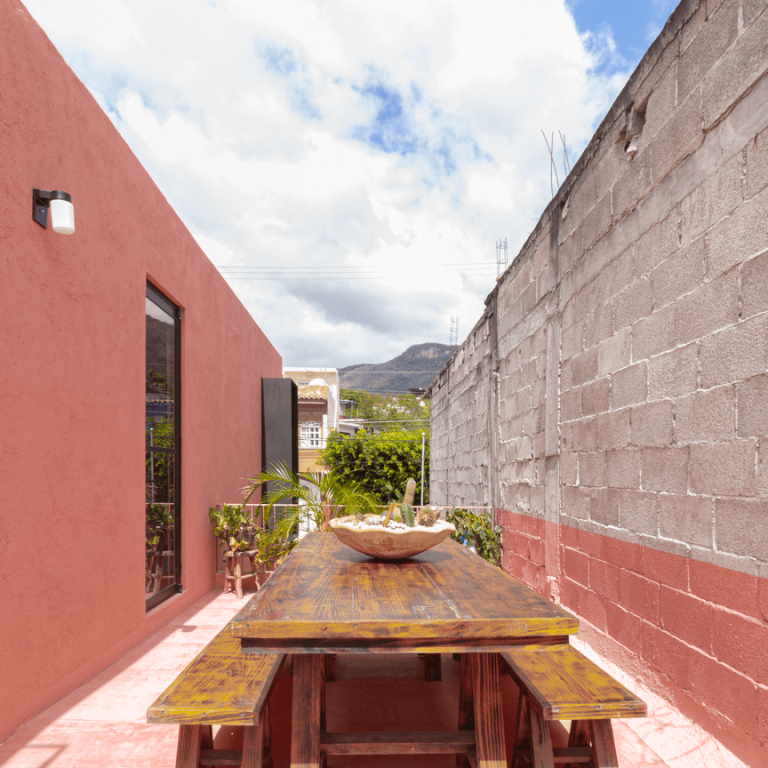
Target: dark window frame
[[155, 296]]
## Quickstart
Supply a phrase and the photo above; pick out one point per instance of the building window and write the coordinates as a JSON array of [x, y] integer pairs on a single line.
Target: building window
[[310, 435], [162, 450]]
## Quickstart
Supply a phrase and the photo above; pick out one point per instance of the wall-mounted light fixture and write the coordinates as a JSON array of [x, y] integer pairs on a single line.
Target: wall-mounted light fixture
[[62, 210]]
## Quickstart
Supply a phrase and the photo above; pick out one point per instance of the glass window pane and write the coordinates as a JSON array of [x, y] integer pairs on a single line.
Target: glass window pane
[[160, 431]]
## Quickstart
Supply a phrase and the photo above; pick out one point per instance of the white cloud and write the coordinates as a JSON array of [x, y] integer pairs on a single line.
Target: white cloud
[[399, 138]]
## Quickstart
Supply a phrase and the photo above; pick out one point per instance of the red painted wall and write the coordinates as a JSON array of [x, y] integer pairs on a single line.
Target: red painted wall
[[696, 632], [72, 338]]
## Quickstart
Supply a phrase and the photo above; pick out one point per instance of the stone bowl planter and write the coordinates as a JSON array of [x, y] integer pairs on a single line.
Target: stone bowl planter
[[390, 543]]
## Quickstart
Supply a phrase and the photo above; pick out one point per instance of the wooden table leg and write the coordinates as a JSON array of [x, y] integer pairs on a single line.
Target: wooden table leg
[[603, 745], [489, 713], [306, 704], [192, 738], [466, 704], [253, 742]]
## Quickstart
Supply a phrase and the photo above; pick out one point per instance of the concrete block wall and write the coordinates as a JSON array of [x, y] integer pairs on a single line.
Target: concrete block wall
[[618, 380]]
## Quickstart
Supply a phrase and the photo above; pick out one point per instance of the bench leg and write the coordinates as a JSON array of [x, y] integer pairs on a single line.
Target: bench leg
[[522, 731], [192, 738], [541, 741], [489, 714], [266, 719], [603, 745], [432, 667], [306, 705], [239, 576], [253, 737]]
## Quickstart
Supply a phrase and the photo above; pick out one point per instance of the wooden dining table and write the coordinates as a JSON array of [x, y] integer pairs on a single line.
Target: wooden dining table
[[326, 598]]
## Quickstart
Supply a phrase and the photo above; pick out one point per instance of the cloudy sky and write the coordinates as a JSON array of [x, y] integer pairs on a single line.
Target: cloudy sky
[[377, 151]]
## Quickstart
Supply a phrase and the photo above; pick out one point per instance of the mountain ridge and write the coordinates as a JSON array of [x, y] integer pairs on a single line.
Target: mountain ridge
[[413, 369]]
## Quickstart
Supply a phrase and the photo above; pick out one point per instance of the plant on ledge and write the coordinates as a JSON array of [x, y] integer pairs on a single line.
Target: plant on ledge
[[476, 532], [234, 527], [320, 498]]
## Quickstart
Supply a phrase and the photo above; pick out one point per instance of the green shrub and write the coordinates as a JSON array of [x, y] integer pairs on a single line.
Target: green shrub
[[477, 529]]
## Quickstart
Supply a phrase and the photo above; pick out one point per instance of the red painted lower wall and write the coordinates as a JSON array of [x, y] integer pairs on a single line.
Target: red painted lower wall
[[72, 384], [696, 632]]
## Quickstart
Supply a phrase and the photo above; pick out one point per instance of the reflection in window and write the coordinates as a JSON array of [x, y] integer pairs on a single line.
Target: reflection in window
[[161, 432]]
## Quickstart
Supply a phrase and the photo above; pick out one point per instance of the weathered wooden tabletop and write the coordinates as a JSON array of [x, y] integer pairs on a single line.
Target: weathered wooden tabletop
[[327, 597]]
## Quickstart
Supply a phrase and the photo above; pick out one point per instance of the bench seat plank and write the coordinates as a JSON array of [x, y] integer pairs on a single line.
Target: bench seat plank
[[220, 686], [563, 684]]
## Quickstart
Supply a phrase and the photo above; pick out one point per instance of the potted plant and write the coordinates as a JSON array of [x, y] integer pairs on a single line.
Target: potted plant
[[477, 532]]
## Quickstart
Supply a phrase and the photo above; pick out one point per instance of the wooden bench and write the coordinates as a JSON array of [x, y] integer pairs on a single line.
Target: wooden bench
[[221, 686], [559, 683]]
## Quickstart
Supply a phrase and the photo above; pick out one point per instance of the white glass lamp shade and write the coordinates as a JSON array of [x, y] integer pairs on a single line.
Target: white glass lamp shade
[[62, 217]]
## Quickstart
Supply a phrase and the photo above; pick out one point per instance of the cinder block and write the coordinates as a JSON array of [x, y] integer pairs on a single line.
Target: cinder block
[[571, 251], [723, 690], [719, 195], [687, 518], [739, 236], [592, 470], [750, 9], [629, 385], [705, 50], [661, 103], [584, 367], [651, 424], [624, 627], [572, 340], [570, 404], [665, 567], [576, 566], [598, 324], [706, 416], [634, 303], [616, 276], [737, 70], [591, 544], [657, 244], [595, 397], [569, 468], [674, 373], [725, 469], [709, 308], [604, 506], [687, 618], [681, 136], [665, 470], [752, 408], [736, 353], [638, 512], [623, 468], [762, 715], [640, 596], [754, 286], [681, 273], [614, 353], [654, 334], [742, 643], [593, 608], [633, 184], [611, 431], [741, 526], [604, 579], [730, 589], [757, 164], [598, 222], [665, 654]]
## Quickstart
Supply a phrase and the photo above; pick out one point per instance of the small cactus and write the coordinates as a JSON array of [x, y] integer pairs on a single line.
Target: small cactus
[[410, 492], [397, 515], [427, 516], [406, 510]]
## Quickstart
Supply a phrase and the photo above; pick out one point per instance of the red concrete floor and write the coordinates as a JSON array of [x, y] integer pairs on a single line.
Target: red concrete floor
[[102, 724]]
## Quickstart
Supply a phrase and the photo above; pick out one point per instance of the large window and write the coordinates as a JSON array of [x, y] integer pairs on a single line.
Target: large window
[[162, 440], [310, 435]]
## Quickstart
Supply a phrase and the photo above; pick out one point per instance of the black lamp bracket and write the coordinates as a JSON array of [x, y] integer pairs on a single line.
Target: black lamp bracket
[[41, 199]]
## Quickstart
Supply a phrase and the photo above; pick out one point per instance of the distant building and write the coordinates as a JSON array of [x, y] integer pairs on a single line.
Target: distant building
[[319, 411]]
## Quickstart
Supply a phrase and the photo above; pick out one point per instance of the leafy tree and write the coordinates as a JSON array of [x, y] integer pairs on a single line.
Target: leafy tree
[[378, 463], [403, 410]]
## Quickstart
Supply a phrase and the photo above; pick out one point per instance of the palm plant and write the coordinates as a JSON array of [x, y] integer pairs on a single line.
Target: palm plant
[[320, 497]]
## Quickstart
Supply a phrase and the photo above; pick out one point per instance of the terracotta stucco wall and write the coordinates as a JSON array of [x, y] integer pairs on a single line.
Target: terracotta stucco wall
[[72, 338], [612, 402]]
